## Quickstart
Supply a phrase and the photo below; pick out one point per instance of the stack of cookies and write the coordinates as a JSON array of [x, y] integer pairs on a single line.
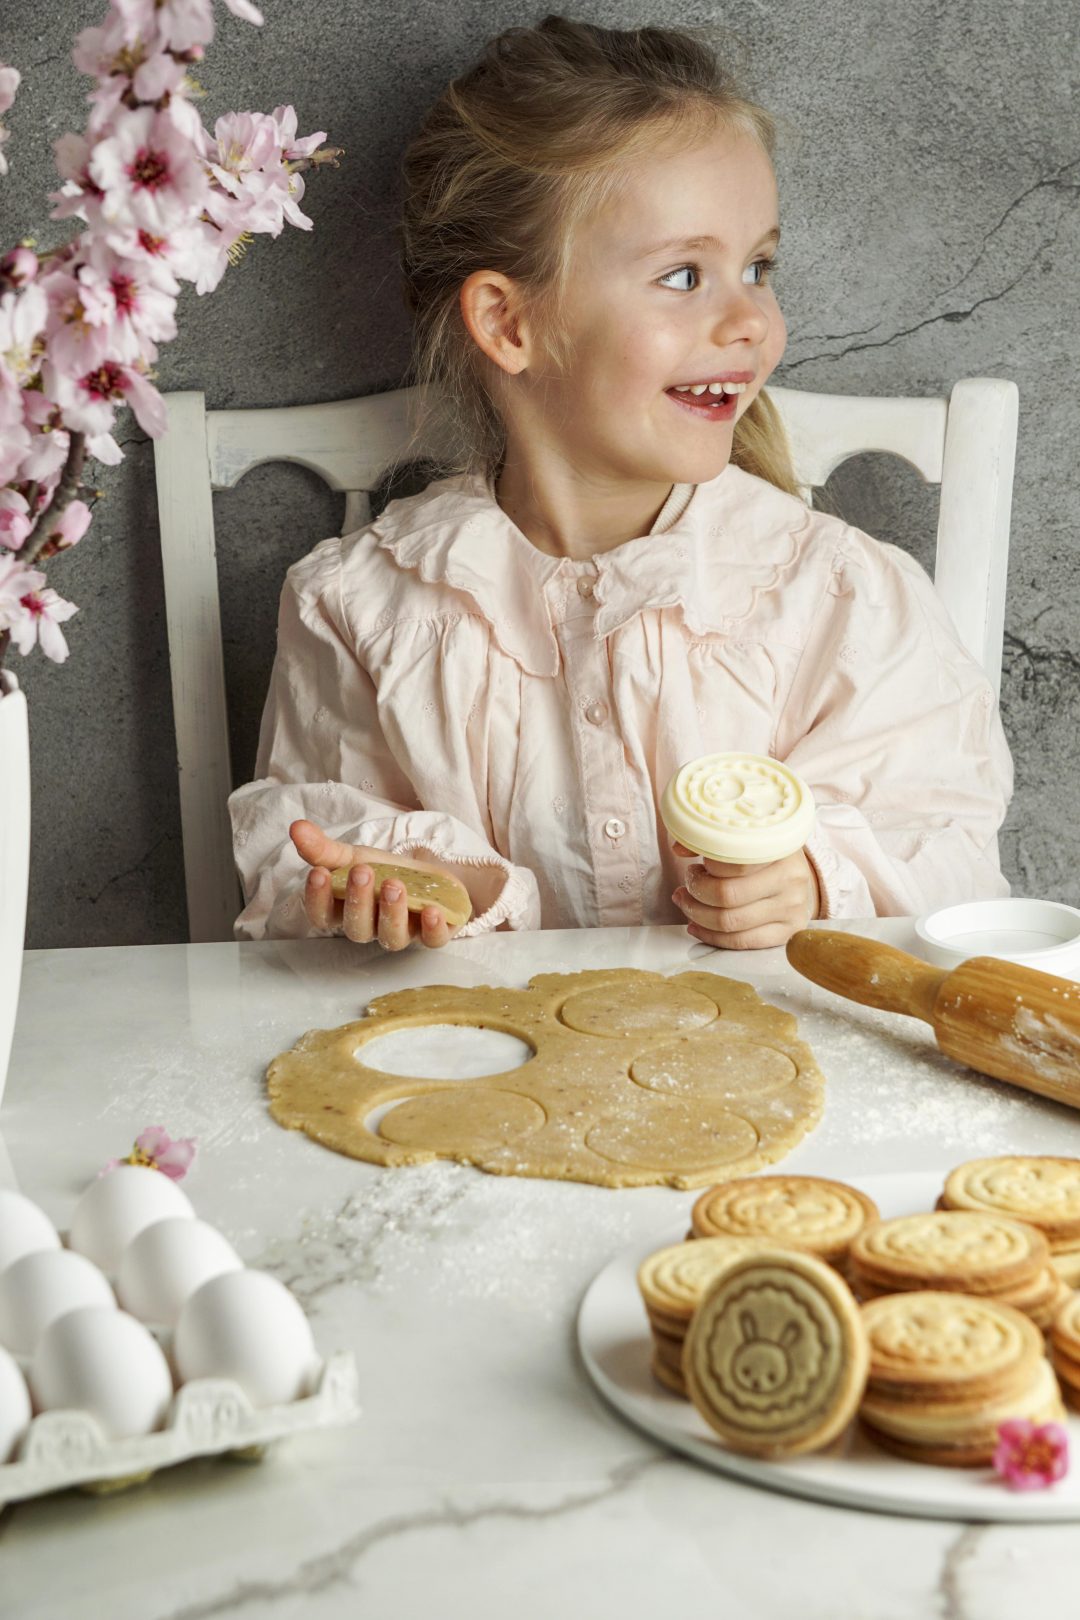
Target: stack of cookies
[[1065, 1349], [672, 1282], [1036, 1188], [946, 1369], [811, 1213], [961, 1251]]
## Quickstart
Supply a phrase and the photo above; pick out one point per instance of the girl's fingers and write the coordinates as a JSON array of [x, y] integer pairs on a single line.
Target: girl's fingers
[[750, 883], [433, 927], [734, 919], [749, 939], [393, 925], [359, 910], [319, 898], [314, 846]]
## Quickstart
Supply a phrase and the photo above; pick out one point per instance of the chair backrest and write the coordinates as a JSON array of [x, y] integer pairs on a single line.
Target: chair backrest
[[966, 444]]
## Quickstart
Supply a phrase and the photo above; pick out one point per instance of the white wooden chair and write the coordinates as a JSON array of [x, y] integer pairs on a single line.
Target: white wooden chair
[[966, 444]]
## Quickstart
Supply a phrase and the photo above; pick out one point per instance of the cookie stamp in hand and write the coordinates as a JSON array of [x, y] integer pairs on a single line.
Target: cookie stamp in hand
[[635, 1079]]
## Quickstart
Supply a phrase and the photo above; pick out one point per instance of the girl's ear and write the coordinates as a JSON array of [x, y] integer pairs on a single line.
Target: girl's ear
[[488, 307]]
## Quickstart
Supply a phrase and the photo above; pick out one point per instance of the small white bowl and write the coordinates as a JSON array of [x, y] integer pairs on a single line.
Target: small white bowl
[[1035, 933]]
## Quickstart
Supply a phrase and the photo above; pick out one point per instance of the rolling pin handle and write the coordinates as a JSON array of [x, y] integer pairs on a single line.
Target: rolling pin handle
[[866, 971]]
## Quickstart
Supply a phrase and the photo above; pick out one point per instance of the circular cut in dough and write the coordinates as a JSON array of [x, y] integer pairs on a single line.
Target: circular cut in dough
[[718, 1069], [637, 1009], [462, 1121], [672, 1135]]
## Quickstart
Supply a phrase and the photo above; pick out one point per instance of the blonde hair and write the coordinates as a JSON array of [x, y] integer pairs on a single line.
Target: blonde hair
[[512, 157]]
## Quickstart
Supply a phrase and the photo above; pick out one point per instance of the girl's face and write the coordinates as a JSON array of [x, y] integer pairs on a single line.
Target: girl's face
[[649, 316]]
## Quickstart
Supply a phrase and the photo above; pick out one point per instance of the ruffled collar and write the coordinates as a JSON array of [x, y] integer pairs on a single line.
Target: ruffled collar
[[712, 550]]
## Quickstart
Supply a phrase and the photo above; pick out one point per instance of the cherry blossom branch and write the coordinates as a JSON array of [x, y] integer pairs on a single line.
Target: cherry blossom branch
[[65, 491], [161, 201]]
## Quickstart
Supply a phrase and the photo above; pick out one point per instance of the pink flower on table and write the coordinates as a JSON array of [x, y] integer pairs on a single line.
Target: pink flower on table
[[23, 313], [89, 402], [15, 440], [15, 521], [38, 618], [148, 171], [1030, 1456], [15, 580], [156, 1149]]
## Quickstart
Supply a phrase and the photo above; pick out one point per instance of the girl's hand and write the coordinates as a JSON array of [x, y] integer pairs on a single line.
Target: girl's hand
[[363, 915], [748, 907]]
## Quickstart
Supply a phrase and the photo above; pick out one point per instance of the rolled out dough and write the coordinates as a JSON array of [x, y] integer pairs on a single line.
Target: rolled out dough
[[636, 1079]]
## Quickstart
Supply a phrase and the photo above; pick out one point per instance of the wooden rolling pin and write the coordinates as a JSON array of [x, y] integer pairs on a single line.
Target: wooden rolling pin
[[1011, 1022]]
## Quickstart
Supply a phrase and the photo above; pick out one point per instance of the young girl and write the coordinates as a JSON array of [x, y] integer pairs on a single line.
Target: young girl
[[498, 675]]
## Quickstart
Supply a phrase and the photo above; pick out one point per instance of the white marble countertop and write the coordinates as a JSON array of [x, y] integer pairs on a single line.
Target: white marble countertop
[[486, 1476]]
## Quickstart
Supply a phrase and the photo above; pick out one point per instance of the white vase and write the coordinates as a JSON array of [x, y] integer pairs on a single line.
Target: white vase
[[14, 854]]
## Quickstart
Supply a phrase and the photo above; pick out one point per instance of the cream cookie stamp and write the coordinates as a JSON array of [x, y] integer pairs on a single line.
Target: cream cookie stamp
[[635, 1079], [747, 808], [776, 1355]]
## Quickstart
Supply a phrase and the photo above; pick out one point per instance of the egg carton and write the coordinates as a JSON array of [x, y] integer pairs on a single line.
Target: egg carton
[[207, 1416]]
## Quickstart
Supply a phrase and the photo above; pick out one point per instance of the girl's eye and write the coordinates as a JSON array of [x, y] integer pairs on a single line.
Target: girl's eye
[[766, 267]]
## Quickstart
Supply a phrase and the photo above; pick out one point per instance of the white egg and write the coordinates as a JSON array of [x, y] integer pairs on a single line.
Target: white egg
[[246, 1325], [103, 1362], [115, 1208], [14, 1406], [24, 1228], [162, 1267], [39, 1288]]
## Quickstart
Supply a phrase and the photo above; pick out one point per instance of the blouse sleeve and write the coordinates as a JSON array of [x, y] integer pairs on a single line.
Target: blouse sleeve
[[895, 728], [320, 691]]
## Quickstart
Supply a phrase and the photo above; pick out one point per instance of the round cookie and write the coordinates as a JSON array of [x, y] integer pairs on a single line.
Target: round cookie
[[776, 1357], [963, 1249], [673, 1279], [948, 1345], [804, 1212], [1037, 1188]]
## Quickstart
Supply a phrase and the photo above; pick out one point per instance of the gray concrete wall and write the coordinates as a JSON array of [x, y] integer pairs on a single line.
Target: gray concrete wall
[[929, 183]]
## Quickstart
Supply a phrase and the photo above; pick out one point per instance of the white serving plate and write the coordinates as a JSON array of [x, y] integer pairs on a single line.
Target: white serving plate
[[1043, 934], [615, 1344], [207, 1416]]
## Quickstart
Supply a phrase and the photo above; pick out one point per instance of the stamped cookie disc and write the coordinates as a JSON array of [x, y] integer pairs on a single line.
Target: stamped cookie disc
[[776, 1356], [738, 807]]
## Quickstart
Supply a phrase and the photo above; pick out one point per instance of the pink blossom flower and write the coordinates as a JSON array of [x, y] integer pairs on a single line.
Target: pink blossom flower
[[15, 440], [148, 171], [48, 441], [38, 618], [15, 520], [172, 24], [10, 79], [23, 314], [292, 149], [156, 1149], [17, 268], [68, 528], [1030, 1456], [89, 402]]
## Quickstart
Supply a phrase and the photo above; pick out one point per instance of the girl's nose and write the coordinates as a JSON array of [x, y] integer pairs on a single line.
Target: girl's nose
[[741, 317]]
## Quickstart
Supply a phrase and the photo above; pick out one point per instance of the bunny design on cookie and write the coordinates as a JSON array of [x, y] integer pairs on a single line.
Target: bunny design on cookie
[[762, 1365]]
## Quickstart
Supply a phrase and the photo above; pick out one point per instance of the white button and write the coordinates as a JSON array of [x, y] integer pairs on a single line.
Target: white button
[[585, 586], [596, 713], [614, 828]]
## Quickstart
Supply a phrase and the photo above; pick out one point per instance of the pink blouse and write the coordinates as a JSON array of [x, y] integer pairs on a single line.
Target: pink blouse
[[445, 689]]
